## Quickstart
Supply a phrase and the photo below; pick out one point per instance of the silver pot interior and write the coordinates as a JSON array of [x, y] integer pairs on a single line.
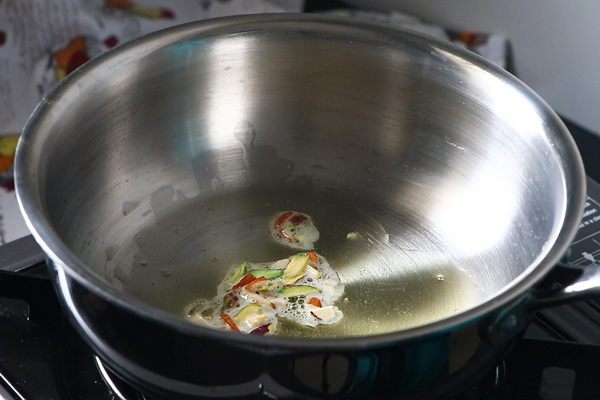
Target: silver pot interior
[[158, 166]]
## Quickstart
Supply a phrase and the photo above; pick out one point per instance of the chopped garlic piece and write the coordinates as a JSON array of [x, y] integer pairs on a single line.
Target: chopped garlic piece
[[279, 301], [257, 298], [255, 320], [313, 272], [196, 317], [293, 280], [330, 282], [280, 264], [324, 313]]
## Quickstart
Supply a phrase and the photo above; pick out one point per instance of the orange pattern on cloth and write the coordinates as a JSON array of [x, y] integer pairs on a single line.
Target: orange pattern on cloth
[[148, 12], [8, 146], [70, 57]]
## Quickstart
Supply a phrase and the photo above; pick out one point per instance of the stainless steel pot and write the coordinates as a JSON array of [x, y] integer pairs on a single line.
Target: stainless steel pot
[[150, 170]]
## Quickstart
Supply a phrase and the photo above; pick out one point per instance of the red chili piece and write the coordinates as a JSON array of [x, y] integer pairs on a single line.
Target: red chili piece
[[315, 302], [229, 321], [312, 257], [254, 282], [282, 218], [244, 281]]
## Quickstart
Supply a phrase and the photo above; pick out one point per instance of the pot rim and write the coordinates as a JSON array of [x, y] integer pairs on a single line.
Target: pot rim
[[62, 257]]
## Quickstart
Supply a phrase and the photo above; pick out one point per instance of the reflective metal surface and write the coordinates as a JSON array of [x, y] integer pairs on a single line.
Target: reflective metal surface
[[151, 170]]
